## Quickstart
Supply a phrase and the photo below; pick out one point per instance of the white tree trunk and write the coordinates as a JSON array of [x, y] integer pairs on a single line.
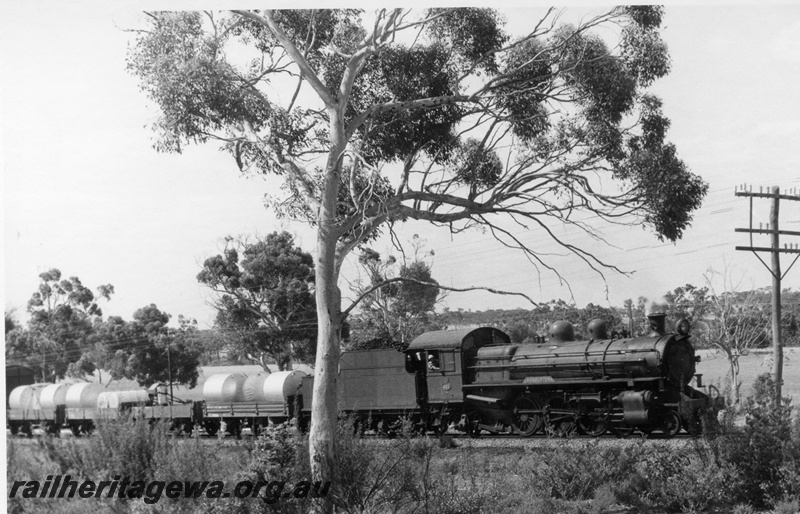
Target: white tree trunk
[[324, 411], [324, 406]]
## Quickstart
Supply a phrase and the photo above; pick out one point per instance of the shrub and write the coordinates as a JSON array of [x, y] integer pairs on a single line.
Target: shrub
[[766, 451], [680, 482], [576, 469], [119, 447]]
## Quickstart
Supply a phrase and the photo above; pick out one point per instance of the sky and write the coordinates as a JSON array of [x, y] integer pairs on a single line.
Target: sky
[[84, 191]]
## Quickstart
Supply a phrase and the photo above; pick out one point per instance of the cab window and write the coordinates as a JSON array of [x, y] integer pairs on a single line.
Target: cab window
[[448, 360]]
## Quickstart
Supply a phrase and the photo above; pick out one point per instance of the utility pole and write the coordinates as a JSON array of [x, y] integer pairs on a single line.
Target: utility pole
[[775, 250]]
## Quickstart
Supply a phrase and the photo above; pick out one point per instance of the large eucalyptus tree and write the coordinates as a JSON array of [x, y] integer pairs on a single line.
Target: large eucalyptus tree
[[437, 115]]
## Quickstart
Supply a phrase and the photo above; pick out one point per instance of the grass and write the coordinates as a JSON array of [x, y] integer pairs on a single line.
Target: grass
[[414, 475]]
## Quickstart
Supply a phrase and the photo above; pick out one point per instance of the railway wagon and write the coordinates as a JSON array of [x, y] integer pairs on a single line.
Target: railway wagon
[[25, 410], [250, 401]]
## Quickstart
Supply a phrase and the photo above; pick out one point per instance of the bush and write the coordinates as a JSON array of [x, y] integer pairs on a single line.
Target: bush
[[690, 482], [119, 447], [138, 450], [576, 469], [766, 451]]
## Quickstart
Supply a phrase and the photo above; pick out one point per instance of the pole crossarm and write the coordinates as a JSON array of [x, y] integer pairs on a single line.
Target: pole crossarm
[[766, 249], [795, 198], [768, 231]]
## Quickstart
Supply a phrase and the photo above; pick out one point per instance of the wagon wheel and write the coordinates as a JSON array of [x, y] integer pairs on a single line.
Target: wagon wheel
[[187, 427], [76, 430], [472, 424], [526, 424], [88, 428], [359, 428], [672, 424], [440, 428], [593, 425], [52, 429], [211, 427], [234, 428]]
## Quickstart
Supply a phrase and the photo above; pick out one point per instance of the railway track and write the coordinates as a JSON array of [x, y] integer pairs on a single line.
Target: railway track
[[485, 439]]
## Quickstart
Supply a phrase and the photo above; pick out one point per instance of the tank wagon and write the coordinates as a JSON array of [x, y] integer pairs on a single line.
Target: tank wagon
[[251, 401], [235, 399]]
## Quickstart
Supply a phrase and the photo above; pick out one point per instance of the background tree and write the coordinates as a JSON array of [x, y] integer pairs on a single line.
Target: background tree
[[790, 312], [736, 322], [437, 116], [58, 331], [392, 316], [689, 301], [11, 320], [265, 301], [636, 315], [138, 350]]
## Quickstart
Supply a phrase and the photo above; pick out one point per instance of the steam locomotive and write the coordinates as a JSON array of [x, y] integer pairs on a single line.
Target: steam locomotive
[[469, 380], [475, 379]]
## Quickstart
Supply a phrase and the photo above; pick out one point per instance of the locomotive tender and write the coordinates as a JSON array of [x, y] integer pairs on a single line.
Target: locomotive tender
[[468, 380]]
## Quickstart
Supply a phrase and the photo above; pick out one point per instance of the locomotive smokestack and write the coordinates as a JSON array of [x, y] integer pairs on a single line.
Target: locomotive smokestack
[[658, 323]]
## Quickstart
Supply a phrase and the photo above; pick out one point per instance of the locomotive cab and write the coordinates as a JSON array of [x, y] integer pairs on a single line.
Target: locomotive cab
[[443, 361]]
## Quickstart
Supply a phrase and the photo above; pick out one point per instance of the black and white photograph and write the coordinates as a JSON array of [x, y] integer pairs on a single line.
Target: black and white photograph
[[465, 258]]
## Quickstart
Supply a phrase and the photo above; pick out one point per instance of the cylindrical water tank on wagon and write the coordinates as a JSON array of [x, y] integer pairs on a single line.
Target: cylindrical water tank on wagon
[[54, 395], [282, 384], [26, 397], [225, 388], [113, 399], [254, 387], [83, 395]]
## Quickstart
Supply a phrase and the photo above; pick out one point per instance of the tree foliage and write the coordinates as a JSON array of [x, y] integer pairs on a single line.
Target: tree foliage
[[11, 321], [147, 350], [392, 314], [689, 301], [264, 299], [410, 101], [62, 313]]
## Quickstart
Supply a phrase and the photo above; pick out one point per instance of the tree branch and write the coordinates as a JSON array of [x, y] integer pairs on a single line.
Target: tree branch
[[305, 68], [372, 289]]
